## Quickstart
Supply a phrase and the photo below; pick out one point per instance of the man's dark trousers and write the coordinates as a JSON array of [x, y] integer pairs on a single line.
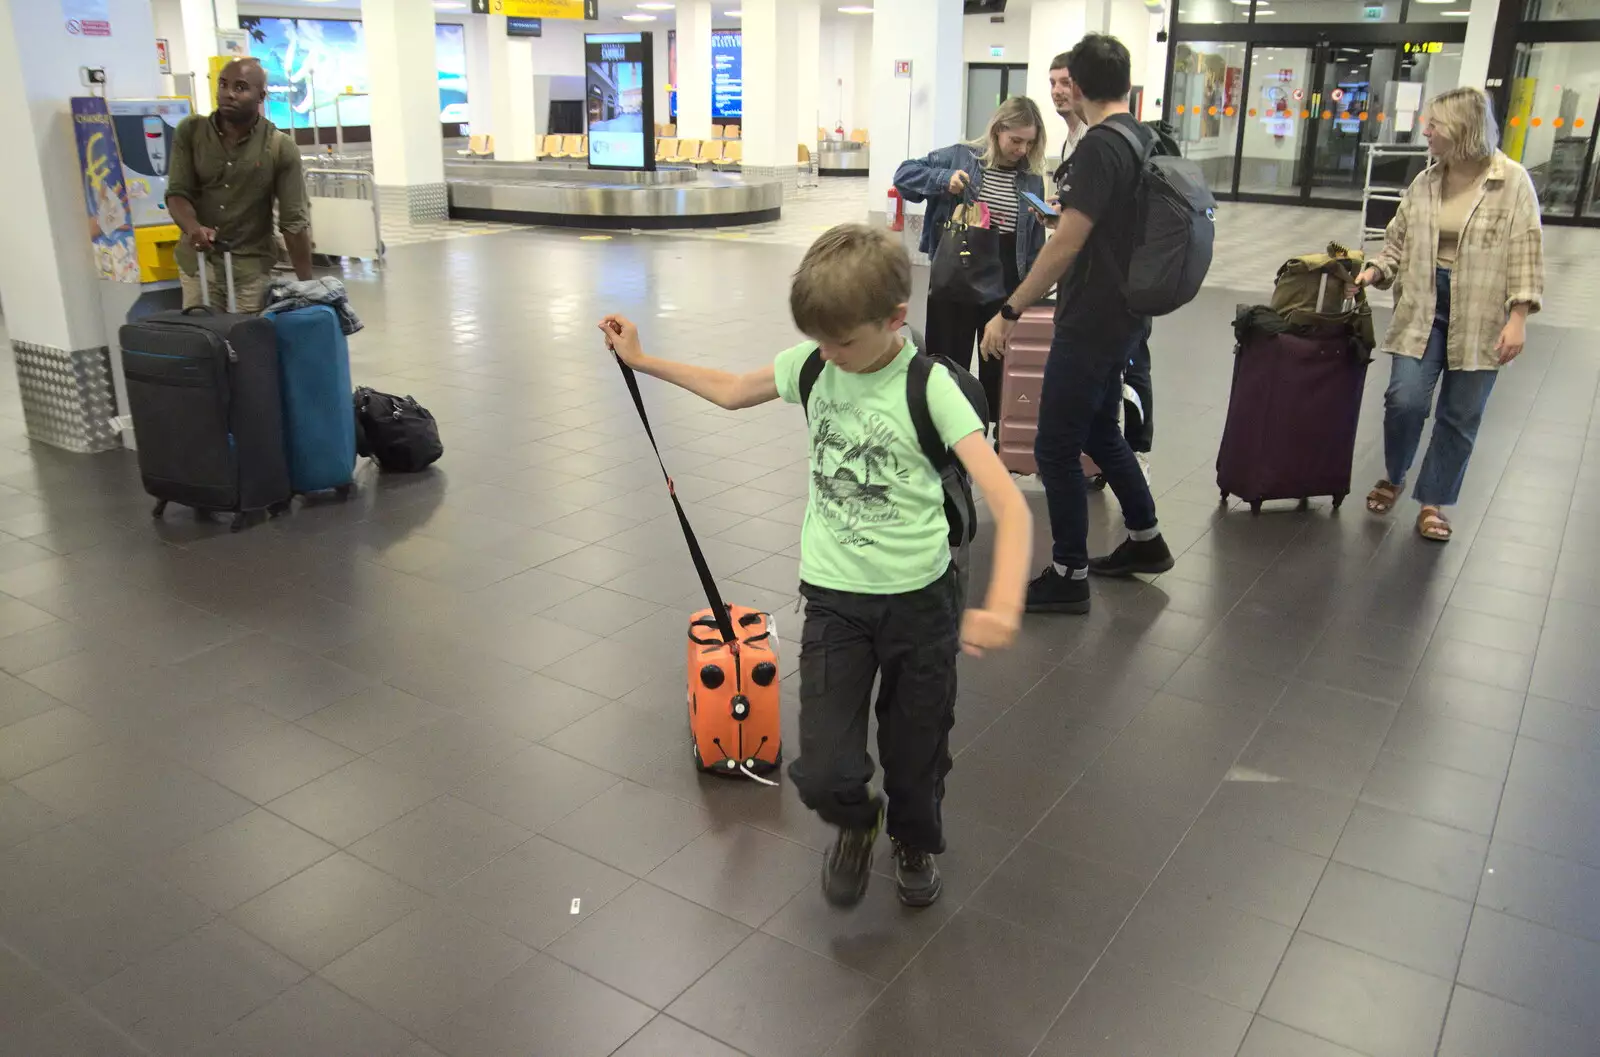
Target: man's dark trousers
[[1078, 412]]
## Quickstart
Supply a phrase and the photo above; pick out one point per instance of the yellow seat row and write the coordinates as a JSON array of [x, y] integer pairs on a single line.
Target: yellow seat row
[[670, 131], [719, 154], [566, 148]]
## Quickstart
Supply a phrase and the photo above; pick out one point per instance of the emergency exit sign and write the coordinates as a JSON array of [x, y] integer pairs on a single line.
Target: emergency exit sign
[[1372, 13], [574, 9]]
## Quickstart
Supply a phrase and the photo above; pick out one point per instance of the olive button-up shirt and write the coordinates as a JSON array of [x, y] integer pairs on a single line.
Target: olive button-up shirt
[[234, 188]]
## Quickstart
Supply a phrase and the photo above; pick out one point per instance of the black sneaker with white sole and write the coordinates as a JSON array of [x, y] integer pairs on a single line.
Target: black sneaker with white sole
[[916, 876], [1051, 592], [1149, 557], [848, 866]]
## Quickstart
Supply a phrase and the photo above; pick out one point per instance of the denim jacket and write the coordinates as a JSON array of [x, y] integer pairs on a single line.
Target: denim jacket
[[928, 179]]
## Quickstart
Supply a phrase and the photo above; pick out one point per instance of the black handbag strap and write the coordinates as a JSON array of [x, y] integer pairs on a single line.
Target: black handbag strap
[[718, 609]]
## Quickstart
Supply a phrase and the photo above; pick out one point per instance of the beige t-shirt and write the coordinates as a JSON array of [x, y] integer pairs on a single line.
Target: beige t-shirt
[[1453, 213]]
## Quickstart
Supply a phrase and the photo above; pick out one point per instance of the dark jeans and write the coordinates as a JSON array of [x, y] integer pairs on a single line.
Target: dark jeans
[[1078, 408], [1462, 399], [908, 643], [953, 331], [1141, 430]]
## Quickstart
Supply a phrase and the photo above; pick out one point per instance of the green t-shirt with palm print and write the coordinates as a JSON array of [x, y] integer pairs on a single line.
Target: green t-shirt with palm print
[[875, 520]]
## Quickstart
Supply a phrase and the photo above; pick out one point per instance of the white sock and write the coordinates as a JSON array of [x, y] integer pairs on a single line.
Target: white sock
[[1071, 574], [1145, 535]]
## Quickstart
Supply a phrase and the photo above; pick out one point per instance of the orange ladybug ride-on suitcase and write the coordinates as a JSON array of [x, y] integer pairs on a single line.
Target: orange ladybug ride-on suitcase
[[733, 669]]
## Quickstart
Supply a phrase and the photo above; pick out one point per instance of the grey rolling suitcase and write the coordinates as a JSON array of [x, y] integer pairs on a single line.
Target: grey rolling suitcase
[[203, 391]]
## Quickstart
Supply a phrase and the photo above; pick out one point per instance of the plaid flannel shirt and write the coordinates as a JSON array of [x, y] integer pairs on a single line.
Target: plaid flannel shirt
[[1500, 263]]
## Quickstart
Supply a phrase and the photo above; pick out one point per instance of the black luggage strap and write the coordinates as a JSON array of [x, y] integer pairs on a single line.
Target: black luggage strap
[[718, 609]]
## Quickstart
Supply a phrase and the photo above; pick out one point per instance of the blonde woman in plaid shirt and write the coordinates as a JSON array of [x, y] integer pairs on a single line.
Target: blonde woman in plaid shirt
[[1465, 254]]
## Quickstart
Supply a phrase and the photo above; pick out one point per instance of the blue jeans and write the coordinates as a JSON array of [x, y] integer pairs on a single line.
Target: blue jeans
[[1078, 407], [1462, 398]]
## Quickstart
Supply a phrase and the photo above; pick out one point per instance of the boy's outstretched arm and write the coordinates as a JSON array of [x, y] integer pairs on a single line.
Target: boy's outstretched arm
[[995, 625], [723, 388]]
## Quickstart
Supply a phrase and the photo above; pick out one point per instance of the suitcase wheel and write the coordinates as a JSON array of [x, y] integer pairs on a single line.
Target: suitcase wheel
[[159, 509], [1305, 504], [239, 521], [1255, 508], [1224, 497], [1338, 500], [344, 491], [202, 515], [277, 510]]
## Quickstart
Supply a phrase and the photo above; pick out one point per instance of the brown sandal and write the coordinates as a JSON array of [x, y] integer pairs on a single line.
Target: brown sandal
[[1431, 525], [1383, 497]]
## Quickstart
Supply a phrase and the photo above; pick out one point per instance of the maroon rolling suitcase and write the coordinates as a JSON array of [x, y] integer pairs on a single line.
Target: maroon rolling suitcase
[[1292, 416]]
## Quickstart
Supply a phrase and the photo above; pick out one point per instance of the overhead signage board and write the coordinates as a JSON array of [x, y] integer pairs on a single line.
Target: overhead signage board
[[575, 9], [524, 27]]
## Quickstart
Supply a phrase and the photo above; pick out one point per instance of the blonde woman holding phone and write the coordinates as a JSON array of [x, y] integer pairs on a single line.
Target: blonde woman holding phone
[[1465, 254]]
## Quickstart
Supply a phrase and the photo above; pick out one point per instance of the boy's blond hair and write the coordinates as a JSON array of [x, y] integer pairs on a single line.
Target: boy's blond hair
[[853, 275]]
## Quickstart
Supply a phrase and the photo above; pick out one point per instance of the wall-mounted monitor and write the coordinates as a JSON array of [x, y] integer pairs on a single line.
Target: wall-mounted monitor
[[524, 27], [619, 100], [310, 62], [727, 75]]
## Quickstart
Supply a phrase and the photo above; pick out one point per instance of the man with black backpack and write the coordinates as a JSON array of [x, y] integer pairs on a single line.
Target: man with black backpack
[[1107, 197]]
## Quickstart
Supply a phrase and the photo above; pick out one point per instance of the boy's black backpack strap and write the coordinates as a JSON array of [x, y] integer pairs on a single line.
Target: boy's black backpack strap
[[810, 371], [919, 370]]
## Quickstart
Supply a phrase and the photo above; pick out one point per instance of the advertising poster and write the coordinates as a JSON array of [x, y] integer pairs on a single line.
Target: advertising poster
[[727, 76], [144, 129], [619, 103], [104, 196], [311, 61]]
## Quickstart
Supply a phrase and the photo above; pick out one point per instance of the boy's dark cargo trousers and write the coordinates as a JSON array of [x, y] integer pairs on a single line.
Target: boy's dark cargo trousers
[[908, 642]]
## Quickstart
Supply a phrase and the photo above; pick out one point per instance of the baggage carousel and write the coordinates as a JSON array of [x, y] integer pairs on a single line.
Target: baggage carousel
[[570, 196]]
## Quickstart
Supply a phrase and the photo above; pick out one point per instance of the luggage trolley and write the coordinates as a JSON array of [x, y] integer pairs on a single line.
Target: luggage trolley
[[344, 213], [1390, 169]]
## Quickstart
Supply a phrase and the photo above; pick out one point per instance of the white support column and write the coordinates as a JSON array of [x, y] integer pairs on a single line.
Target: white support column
[[1054, 26], [694, 69], [1481, 20], [511, 86], [808, 75], [407, 147], [480, 79], [49, 282], [201, 20], [911, 116], [771, 139]]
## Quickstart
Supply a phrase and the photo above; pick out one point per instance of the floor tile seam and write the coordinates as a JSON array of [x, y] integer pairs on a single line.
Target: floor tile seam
[[1167, 862], [1569, 860], [1299, 1031], [77, 1000]]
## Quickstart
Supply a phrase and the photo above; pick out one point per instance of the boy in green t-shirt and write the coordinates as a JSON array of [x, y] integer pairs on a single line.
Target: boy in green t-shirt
[[882, 599]]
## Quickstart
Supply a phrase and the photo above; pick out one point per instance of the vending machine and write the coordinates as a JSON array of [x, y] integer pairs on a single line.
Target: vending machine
[[145, 129]]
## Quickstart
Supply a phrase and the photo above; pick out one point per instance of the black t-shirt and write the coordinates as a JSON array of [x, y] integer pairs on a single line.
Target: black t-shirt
[[1099, 181]]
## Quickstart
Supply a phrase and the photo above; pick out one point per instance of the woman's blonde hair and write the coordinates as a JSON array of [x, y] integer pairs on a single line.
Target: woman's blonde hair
[[1465, 116], [1018, 112]]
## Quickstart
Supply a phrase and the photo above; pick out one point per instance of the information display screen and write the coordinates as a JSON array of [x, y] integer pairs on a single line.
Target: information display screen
[[727, 75], [619, 105], [311, 61]]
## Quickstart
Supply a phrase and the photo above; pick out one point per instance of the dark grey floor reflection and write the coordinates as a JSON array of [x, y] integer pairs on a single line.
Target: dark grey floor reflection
[[408, 776]]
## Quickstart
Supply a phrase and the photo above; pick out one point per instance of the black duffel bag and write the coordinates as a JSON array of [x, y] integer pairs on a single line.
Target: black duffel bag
[[396, 431]]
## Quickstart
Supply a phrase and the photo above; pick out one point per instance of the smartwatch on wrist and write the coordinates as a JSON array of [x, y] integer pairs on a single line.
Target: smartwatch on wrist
[[1008, 313]]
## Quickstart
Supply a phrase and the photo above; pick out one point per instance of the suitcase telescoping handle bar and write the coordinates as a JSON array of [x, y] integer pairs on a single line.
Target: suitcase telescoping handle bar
[[227, 277], [707, 581]]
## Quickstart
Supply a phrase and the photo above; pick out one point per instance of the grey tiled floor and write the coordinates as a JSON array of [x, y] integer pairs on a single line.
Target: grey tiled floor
[[408, 776]]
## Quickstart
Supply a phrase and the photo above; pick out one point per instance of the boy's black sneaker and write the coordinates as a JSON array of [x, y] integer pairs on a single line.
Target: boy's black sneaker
[[916, 876], [1134, 556], [848, 867], [1050, 592]]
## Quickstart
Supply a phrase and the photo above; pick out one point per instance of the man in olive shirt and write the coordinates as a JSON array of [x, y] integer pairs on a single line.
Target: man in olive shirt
[[227, 171]]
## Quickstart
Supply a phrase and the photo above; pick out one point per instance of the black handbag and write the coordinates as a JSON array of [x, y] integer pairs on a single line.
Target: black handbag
[[396, 431], [966, 267]]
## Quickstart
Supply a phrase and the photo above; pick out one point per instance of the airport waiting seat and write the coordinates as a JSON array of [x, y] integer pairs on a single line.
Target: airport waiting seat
[[488, 147], [806, 173], [572, 147], [732, 156], [712, 152], [550, 147], [858, 135], [665, 148], [688, 150], [716, 131], [732, 131], [669, 131], [475, 147], [822, 134]]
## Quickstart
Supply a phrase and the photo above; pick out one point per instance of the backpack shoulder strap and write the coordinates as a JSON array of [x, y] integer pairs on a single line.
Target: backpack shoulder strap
[[1142, 150], [810, 371], [919, 373]]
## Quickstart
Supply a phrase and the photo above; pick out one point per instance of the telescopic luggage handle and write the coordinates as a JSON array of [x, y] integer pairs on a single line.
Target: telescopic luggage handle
[[227, 275]]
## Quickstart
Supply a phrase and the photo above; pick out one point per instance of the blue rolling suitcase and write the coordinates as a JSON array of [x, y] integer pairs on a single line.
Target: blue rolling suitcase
[[319, 432]]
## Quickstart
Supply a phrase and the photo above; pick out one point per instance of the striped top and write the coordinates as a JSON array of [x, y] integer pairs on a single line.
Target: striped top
[[998, 190]]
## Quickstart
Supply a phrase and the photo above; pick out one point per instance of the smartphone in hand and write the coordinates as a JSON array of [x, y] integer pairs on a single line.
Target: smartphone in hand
[[1039, 205]]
